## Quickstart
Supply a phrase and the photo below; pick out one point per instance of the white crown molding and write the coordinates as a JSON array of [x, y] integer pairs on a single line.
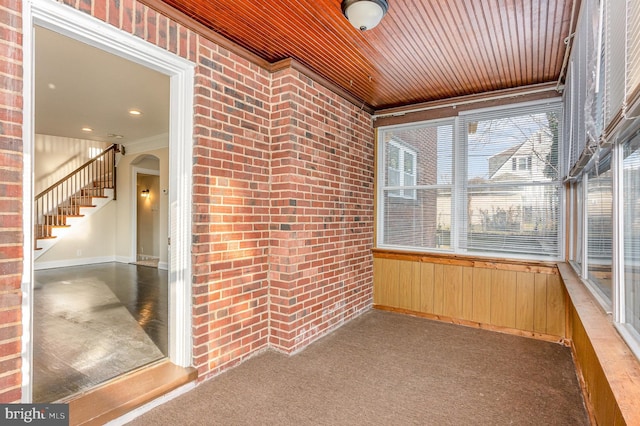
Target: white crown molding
[[151, 143]]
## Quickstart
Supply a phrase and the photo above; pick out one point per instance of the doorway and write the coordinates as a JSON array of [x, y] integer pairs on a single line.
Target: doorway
[[81, 27], [148, 245]]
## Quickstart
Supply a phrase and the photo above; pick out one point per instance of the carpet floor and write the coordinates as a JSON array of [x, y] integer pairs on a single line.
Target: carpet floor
[[386, 368]]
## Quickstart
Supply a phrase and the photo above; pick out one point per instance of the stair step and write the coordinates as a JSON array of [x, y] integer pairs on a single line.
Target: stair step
[[69, 210], [83, 201], [44, 231], [56, 220], [93, 192]]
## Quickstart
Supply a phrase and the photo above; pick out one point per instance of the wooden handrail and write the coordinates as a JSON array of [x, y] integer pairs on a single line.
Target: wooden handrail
[[85, 165]]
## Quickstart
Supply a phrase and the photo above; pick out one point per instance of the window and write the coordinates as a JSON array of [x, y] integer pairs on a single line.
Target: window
[[524, 163], [94, 151], [631, 220], [511, 211], [417, 179], [576, 227], [599, 214], [401, 169], [601, 98], [505, 197]]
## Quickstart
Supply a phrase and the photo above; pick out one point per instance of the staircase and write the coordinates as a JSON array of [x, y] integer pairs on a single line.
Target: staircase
[[73, 198]]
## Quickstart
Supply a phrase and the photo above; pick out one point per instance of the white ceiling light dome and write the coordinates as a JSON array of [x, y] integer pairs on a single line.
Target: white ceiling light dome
[[364, 14]]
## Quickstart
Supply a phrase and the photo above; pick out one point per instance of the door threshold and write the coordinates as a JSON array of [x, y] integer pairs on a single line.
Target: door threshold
[[127, 392]]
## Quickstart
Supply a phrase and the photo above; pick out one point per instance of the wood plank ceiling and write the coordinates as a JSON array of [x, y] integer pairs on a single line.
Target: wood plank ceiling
[[423, 50]]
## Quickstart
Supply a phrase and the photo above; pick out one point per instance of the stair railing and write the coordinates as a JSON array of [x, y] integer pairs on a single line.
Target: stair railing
[[63, 198]]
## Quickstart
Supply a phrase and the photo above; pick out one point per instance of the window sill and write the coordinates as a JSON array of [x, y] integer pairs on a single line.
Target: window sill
[[490, 262], [607, 366]]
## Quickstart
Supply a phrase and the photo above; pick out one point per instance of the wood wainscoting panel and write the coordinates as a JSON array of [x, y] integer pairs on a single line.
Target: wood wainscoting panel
[[385, 282], [416, 287], [503, 298], [427, 276], [406, 271], [482, 295], [438, 289], [526, 298], [540, 304], [452, 291], [467, 293], [556, 305]]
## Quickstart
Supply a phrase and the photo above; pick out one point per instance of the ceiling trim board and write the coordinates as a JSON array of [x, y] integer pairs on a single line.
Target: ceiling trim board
[[453, 107]]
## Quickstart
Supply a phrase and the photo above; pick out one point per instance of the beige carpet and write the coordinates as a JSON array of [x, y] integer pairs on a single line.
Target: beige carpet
[[391, 369]]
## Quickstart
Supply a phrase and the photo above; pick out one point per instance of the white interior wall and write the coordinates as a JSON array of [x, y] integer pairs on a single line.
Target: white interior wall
[[55, 157], [148, 216], [92, 241]]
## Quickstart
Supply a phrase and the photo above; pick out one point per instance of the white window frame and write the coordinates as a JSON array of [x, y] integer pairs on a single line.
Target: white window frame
[[459, 184]]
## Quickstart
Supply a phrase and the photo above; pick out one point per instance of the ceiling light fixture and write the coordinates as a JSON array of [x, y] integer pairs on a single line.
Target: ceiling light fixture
[[135, 112], [364, 14], [87, 129]]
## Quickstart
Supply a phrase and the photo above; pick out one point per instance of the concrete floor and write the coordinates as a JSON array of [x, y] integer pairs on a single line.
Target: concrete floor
[[95, 322]]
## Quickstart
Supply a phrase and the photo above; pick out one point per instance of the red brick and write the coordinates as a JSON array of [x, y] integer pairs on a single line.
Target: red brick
[[128, 12], [10, 348], [10, 380], [243, 223], [100, 8], [12, 395], [113, 12]]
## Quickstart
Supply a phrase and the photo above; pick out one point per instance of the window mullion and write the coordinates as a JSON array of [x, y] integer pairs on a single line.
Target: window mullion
[[585, 228], [619, 312], [458, 196]]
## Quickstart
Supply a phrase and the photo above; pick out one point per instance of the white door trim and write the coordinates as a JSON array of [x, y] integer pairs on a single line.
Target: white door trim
[[82, 27]]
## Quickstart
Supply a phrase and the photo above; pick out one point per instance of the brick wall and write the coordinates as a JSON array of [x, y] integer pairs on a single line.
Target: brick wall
[[242, 118], [231, 209], [10, 199], [321, 211]]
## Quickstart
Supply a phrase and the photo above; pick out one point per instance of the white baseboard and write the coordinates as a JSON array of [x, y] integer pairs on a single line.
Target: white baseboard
[[163, 265], [124, 259], [37, 266]]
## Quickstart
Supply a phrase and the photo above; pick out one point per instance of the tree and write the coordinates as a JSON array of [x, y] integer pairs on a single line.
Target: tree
[[551, 160]]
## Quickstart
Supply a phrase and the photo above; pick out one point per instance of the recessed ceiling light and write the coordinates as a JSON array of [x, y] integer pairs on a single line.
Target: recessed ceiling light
[[87, 129], [114, 135], [51, 86], [135, 112]]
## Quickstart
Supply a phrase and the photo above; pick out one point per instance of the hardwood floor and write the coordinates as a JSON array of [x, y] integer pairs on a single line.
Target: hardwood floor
[[96, 322]]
